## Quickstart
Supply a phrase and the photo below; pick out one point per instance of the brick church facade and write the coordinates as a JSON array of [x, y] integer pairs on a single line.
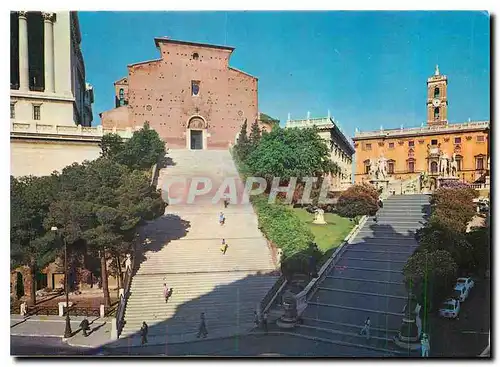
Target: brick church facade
[[190, 96]]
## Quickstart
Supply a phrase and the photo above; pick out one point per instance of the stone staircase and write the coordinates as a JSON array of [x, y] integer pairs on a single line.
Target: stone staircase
[[185, 254], [367, 280]]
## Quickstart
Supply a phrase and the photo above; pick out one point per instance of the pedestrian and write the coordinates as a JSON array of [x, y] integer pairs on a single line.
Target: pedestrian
[[256, 320], [222, 219], [226, 203], [85, 326], [202, 330], [223, 247], [366, 328], [128, 264], [166, 292], [425, 345], [264, 321], [144, 333]]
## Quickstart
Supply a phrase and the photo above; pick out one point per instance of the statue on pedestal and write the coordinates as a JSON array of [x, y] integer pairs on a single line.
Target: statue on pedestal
[[454, 165], [382, 167], [444, 168], [319, 216], [290, 317]]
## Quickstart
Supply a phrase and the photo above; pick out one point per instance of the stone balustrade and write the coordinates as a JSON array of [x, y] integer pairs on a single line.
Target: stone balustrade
[[476, 125], [67, 131], [322, 121]]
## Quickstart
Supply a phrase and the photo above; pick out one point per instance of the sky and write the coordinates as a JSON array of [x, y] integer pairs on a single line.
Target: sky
[[368, 68]]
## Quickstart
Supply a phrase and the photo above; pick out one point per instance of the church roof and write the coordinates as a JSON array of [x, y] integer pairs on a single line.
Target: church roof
[[159, 40]]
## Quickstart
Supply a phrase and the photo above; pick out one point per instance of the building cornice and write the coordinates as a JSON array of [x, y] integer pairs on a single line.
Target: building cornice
[[423, 131], [41, 95], [242, 72], [159, 40]]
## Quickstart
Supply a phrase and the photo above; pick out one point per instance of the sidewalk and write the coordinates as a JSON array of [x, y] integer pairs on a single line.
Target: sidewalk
[[44, 326]]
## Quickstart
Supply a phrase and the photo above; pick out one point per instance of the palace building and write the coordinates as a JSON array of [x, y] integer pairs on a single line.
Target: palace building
[[190, 96], [341, 148], [412, 151]]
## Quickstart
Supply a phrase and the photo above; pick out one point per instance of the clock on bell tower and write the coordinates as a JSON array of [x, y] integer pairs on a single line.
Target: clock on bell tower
[[437, 101]]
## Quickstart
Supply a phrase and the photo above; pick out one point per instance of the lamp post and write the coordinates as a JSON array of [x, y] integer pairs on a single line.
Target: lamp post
[[67, 330]]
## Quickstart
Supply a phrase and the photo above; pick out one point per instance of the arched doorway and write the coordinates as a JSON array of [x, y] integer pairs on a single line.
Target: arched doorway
[[196, 133]]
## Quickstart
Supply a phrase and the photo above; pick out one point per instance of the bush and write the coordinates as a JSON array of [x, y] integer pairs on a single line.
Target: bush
[[358, 200], [282, 227]]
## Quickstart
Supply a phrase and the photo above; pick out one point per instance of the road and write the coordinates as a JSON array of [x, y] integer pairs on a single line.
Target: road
[[248, 346]]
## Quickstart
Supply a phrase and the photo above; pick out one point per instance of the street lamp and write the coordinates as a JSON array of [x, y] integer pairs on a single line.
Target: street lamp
[[67, 330]]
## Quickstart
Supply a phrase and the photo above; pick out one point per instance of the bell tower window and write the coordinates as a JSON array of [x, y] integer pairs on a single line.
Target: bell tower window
[[436, 92], [436, 113]]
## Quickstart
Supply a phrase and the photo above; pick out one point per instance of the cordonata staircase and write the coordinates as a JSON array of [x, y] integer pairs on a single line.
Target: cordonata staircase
[[367, 281], [184, 253]]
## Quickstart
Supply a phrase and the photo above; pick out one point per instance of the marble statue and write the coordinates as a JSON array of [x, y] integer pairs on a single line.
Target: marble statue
[[454, 165], [444, 168], [382, 167], [319, 216]]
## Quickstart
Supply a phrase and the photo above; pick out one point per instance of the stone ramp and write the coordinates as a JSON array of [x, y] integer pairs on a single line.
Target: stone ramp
[[184, 252], [367, 280]]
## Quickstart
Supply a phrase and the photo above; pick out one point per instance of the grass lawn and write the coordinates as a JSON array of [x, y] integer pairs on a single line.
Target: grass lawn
[[327, 236]]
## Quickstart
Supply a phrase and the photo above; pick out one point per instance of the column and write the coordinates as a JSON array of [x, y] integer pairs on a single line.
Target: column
[[23, 52], [48, 27]]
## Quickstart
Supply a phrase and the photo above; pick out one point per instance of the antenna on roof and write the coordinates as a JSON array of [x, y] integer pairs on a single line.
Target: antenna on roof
[[289, 116], [328, 113], [308, 115]]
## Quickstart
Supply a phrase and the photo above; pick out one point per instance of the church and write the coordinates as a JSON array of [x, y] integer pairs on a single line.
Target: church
[[190, 95], [409, 152]]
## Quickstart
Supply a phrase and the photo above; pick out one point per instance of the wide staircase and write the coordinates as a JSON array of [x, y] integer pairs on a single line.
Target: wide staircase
[[184, 252], [367, 281]]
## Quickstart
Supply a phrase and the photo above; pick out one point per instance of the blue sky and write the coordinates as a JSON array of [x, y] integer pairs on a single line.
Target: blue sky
[[368, 68]]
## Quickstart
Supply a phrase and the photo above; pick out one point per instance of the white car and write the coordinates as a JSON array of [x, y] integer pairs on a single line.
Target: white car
[[460, 292], [450, 308], [468, 282]]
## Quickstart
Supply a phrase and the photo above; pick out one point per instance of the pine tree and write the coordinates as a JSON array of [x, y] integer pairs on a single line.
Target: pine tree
[[255, 135], [243, 143]]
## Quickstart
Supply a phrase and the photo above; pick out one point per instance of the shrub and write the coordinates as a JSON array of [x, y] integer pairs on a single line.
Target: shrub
[[358, 200]]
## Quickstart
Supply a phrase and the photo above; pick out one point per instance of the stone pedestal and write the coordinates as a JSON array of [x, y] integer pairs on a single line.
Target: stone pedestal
[[114, 331], [101, 311], [410, 331], [61, 307], [380, 183], [290, 318]]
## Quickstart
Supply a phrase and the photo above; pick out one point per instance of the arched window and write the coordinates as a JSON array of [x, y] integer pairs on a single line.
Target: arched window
[[436, 92], [121, 96], [436, 113], [367, 166], [434, 167]]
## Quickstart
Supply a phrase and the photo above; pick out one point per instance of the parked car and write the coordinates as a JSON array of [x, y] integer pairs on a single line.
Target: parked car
[[467, 281], [450, 308], [460, 292]]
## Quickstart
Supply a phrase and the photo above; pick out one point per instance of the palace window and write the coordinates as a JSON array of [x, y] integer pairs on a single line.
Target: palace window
[[458, 140], [436, 113], [367, 166], [36, 112], [411, 143], [458, 159], [391, 145], [368, 146], [411, 166], [480, 138], [390, 167], [434, 142], [479, 163], [436, 92], [434, 167], [195, 87], [12, 110]]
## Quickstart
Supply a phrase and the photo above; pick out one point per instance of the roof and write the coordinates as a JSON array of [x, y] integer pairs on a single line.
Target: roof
[[119, 81], [143, 62], [239, 71], [159, 40], [266, 118]]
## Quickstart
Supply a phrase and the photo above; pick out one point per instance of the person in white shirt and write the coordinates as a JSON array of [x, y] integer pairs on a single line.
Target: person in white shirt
[[366, 328]]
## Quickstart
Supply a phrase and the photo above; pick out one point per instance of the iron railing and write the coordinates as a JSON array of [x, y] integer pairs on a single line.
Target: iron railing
[[122, 302]]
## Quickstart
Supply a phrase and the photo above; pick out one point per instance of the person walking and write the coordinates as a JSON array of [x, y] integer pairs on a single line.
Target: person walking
[[223, 247], [366, 328], [264, 322], [144, 333], [226, 203], [202, 330], [222, 219], [85, 326], [425, 345], [166, 292], [256, 320]]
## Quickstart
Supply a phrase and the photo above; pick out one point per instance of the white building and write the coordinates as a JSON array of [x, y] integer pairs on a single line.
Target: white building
[[47, 79], [341, 147]]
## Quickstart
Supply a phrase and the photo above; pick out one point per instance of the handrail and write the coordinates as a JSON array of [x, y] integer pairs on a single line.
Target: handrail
[[272, 293], [120, 310]]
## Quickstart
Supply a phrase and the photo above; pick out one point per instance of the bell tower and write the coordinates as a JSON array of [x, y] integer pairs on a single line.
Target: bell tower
[[437, 100]]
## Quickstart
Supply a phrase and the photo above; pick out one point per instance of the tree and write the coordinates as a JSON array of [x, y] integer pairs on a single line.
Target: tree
[[358, 200], [288, 153], [430, 275], [242, 147], [255, 135], [103, 203], [111, 146], [32, 244], [141, 151], [479, 257], [454, 207]]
